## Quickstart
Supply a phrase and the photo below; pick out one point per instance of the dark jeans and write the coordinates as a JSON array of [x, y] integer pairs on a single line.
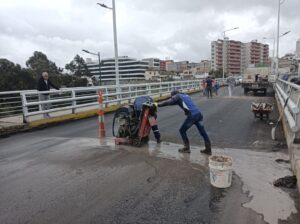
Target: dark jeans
[[209, 92], [189, 122]]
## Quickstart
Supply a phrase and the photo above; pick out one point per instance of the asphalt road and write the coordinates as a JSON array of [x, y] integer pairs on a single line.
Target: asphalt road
[[228, 121], [62, 175]]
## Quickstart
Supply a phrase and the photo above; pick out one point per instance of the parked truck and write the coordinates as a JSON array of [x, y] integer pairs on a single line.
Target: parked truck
[[256, 79]]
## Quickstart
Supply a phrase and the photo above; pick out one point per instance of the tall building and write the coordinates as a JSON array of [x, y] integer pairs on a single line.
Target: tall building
[[130, 69], [237, 55], [255, 53], [231, 50]]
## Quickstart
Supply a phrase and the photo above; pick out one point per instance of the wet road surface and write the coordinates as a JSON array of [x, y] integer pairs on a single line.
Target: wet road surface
[[62, 174]]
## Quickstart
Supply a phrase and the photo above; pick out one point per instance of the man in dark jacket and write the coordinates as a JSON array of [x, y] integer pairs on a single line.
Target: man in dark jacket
[[194, 117], [44, 84], [209, 83]]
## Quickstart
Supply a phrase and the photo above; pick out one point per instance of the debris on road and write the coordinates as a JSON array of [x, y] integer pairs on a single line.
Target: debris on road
[[282, 161], [262, 106], [287, 182]]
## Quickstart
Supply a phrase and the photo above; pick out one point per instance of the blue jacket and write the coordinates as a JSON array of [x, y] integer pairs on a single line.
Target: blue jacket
[[184, 101]]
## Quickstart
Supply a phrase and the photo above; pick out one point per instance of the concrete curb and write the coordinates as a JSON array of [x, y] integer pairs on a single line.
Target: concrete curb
[[6, 131], [294, 149], [65, 118]]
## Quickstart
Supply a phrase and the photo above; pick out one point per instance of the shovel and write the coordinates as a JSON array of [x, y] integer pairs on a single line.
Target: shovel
[[273, 131]]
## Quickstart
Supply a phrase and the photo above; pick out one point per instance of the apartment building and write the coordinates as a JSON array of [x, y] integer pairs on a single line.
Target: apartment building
[[237, 55], [255, 53], [231, 50]]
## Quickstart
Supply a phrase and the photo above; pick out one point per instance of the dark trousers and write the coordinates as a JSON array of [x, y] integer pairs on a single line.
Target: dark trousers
[[209, 92], [189, 122]]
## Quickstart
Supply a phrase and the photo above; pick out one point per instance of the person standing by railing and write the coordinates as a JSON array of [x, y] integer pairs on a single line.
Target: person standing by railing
[[209, 86], [44, 84], [216, 86], [230, 82]]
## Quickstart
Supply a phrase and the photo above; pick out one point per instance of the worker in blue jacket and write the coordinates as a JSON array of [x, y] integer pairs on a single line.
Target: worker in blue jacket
[[194, 117]]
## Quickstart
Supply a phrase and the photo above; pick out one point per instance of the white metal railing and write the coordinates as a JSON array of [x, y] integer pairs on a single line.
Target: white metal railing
[[11, 103], [26, 103], [284, 90], [75, 98]]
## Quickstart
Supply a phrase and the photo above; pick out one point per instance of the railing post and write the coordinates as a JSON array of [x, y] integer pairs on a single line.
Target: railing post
[[73, 96], [160, 89], [119, 96], [24, 107], [297, 119], [149, 89]]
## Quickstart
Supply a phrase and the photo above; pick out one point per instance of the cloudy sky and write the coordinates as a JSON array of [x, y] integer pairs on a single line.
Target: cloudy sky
[[177, 29]]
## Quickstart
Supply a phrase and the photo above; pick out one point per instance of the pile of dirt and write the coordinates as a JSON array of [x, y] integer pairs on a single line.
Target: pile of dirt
[[287, 182]]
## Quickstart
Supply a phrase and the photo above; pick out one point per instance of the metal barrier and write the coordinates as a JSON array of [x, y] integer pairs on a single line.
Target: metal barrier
[[26, 103], [284, 90], [11, 103], [75, 98]]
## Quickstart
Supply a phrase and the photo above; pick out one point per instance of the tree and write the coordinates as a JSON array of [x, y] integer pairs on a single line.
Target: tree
[[40, 63], [13, 77], [216, 73], [78, 67]]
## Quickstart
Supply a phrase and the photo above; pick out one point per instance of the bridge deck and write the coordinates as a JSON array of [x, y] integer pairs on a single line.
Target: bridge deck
[[62, 174]]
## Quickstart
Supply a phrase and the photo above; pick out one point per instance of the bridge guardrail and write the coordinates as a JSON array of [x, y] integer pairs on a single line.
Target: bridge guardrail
[[26, 103], [284, 90], [74, 98]]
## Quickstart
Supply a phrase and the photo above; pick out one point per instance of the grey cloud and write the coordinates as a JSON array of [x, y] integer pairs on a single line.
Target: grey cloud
[[170, 28]]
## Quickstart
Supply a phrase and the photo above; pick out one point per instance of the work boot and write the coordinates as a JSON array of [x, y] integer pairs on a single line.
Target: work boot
[[158, 140], [207, 149], [185, 149]]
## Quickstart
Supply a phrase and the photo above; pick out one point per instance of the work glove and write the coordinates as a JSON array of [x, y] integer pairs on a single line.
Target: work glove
[[155, 104]]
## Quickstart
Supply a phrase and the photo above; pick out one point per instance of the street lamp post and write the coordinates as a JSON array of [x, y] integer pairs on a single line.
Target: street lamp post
[[101, 127], [273, 56], [99, 61], [113, 8], [224, 45], [280, 2]]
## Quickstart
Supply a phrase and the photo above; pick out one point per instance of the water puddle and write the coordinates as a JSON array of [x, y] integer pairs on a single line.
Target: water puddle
[[257, 170]]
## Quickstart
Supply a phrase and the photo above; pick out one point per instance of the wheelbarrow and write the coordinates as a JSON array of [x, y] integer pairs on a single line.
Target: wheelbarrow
[[261, 110]]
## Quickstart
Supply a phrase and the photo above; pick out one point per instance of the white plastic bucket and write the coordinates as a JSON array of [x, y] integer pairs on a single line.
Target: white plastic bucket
[[220, 171]]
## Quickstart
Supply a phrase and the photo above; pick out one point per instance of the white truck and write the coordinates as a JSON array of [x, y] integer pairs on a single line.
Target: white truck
[[257, 79]]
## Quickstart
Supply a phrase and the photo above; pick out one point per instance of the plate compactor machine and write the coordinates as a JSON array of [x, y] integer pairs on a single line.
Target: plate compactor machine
[[132, 124]]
